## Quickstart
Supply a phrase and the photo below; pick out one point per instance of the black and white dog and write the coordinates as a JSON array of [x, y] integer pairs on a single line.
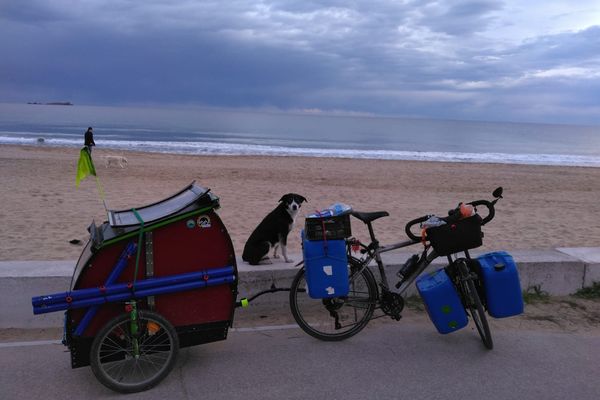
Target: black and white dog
[[273, 230]]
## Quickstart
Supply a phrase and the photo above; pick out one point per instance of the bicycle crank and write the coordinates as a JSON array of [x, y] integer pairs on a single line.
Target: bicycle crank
[[392, 304]]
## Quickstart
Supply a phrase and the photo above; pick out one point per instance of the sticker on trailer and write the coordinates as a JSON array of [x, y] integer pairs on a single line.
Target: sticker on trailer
[[204, 221]]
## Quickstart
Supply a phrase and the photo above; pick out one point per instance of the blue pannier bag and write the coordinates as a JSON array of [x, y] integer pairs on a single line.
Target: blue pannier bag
[[501, 283], [442, 301], [326, 267]]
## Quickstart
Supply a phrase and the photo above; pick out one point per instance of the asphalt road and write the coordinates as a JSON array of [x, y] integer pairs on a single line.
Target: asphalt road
[[385, 361]]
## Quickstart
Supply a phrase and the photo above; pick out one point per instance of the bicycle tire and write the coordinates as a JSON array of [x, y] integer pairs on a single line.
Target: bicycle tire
[[479, 318], [475, 307], [111, 356], [318, 317]]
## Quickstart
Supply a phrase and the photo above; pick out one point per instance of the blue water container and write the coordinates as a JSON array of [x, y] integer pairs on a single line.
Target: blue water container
[[326, 267], [442, 301], [502, 286]]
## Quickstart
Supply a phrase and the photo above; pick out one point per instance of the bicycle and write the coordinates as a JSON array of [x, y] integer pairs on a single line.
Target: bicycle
[[338, 318]]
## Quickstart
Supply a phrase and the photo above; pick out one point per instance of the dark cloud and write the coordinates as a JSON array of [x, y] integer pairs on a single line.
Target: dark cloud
[[460, 18], [426, 59], [29, 12]]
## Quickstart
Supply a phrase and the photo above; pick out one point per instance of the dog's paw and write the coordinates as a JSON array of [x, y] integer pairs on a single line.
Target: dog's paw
[[276, 256], [289, 260]]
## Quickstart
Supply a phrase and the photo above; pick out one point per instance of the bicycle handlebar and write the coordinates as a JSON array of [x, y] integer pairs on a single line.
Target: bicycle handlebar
[[488, 218], [410, 224], [490, 207]]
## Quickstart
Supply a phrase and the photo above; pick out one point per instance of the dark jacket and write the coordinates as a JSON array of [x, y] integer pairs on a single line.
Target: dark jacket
[[89, 138]]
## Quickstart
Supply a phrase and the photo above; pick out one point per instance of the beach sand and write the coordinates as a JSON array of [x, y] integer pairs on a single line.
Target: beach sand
[[42, 210]]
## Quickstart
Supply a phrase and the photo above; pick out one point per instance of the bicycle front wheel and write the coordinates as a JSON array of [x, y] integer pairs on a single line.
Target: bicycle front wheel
[[127, 361], [478, 314], [338, 318]]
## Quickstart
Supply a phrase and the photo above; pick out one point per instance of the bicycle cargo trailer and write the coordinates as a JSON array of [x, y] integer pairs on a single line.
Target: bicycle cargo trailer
[[173, 259]]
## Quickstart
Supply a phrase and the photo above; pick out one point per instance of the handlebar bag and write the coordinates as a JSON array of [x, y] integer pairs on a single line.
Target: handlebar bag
[[457, 236]]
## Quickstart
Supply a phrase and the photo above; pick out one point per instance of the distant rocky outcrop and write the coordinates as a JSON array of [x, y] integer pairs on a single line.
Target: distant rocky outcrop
[[53, 103]]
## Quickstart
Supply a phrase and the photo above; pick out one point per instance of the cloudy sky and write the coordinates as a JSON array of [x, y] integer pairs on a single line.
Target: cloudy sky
[[513, 60]]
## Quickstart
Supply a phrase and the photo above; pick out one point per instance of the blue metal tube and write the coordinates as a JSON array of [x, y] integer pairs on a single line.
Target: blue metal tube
[[112, 278], [114, 275], [137, 294], [121, 264], [81, 294]]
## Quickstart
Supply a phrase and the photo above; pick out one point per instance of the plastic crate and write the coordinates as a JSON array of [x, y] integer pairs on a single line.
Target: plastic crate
[[328, 228]]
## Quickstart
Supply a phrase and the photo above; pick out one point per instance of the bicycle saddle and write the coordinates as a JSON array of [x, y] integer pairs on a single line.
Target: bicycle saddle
[[367, 217]]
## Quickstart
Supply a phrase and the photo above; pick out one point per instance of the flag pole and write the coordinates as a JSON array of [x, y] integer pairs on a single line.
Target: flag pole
[[85, 167], [101, 192]]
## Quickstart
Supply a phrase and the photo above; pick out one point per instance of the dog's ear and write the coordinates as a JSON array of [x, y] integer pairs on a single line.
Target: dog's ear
[[302, 199], [285, 197]]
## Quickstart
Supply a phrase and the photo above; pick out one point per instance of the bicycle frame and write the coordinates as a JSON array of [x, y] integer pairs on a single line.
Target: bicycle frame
[[375, 254]]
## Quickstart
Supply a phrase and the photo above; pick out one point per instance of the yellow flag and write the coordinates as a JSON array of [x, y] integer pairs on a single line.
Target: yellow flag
[[85, 166]]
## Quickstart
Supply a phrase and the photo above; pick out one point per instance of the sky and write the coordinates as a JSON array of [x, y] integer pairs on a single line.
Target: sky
[[490, 60]]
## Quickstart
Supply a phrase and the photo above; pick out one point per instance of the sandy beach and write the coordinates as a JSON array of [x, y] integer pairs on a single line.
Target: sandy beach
[[42, 210]]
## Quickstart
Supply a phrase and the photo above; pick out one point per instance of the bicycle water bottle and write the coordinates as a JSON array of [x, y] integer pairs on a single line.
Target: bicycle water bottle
[[409, 267]]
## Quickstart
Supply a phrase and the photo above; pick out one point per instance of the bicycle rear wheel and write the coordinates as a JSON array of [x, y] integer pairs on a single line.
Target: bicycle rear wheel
[[475, 307], [337, 318]]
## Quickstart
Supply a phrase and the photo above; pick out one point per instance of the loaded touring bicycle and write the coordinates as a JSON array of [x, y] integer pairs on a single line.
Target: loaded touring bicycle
[[343, 283]]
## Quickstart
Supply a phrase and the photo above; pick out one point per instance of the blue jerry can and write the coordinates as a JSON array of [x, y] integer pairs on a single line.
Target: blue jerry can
[[442, 301], [502, 286], [326, 267]]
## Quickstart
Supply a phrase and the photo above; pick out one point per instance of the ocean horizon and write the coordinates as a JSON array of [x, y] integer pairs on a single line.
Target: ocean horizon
[[204, 131]]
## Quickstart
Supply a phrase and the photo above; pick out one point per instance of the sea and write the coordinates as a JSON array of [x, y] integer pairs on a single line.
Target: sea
[[210, 131]]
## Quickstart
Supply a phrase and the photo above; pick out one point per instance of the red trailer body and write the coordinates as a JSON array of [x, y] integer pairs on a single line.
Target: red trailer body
[[180, 234]]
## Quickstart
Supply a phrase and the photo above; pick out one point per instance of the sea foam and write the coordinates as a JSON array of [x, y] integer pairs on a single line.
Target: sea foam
[[219, 148]]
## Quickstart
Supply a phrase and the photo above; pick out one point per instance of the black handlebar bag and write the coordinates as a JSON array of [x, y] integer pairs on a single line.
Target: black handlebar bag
[[457, 236]]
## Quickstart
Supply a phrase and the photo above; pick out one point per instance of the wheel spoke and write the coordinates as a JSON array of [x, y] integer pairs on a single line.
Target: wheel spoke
[[336, 318], [119, 376]]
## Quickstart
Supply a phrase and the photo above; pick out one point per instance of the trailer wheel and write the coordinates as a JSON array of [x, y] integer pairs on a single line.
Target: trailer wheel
[[119, 366]]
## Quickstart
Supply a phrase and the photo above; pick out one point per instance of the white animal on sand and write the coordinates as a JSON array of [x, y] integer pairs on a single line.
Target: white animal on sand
[[115, 160]]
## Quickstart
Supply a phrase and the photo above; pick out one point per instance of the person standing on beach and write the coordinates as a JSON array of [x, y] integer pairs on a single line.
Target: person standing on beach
[[89, 139]]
